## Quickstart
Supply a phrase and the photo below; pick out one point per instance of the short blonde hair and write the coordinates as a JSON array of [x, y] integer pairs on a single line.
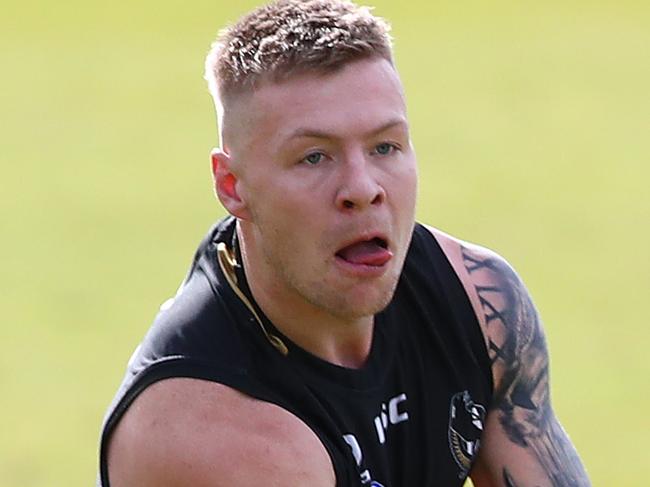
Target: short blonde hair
[[291, 36]]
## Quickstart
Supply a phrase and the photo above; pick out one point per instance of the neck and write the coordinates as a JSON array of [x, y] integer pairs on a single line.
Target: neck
[[344, 341]]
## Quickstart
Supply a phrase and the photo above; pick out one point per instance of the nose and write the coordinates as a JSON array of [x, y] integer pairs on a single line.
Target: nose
[[359, 187]]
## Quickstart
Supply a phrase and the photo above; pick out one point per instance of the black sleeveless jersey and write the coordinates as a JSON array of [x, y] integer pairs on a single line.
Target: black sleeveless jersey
[[413, 415]]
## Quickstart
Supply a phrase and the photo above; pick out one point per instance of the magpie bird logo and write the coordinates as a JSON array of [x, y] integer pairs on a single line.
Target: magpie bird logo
[[465, 429]]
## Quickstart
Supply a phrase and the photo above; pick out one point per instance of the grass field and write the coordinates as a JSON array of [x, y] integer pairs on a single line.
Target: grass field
[[532, 125]]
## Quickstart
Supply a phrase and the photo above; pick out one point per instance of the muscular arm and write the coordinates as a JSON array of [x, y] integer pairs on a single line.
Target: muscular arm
[[182, 432], [524, 444]]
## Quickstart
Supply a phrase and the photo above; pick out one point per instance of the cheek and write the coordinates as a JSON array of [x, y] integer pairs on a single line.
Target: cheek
[[286, 222], [411, 176], [280, 188], [412, 185], [293, 200], [404, 188]]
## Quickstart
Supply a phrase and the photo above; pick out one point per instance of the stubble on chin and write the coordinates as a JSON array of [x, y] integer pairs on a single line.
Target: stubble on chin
[[357, 301], [296, 278]]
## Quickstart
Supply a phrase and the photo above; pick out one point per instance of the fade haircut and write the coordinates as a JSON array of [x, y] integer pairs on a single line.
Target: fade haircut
[[290, 37]]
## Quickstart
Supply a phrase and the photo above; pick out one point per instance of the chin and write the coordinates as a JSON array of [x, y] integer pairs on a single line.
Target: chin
[[369, 303]]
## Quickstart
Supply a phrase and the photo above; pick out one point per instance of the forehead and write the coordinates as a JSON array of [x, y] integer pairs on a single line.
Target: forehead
[[358, 98]]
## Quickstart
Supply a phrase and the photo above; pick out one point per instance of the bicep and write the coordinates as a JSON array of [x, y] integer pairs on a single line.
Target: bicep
[[181, 432], [523, 443], [520, 449], [136, 450]]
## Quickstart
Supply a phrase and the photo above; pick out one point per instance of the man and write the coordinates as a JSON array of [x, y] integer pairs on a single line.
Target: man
[[321, 337]]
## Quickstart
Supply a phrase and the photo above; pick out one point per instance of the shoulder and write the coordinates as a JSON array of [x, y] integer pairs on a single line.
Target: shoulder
[[194, 432], [466, 258], [501, 302], [475, 266], [522, 438]]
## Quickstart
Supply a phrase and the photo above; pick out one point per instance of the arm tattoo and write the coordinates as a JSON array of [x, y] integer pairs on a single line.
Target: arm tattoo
[[517, 350], [507, 479]]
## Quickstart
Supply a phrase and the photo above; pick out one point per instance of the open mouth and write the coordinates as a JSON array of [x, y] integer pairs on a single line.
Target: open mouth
[[373, 252]]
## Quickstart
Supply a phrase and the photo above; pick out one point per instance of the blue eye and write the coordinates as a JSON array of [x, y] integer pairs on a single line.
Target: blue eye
[[384, 148], [313, 158]]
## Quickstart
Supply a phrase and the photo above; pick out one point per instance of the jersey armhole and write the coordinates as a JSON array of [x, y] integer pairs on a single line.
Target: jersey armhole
[[450, 248], [183, 367]]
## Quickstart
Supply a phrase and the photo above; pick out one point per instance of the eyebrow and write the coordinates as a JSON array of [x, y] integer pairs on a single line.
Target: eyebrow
[[319, 134]]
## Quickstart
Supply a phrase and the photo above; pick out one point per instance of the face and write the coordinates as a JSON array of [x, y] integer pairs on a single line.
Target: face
[[324, 185]]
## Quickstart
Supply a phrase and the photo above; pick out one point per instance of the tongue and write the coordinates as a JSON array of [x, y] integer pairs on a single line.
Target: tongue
[[365, 253]]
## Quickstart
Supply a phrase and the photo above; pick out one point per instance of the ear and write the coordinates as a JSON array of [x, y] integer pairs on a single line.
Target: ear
[[226, 185]]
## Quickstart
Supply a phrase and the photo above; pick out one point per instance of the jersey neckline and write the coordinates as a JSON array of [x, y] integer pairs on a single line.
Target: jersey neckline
[[316, 370]]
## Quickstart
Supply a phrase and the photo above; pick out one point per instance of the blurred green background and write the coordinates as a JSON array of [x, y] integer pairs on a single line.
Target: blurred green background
[[532, 125]]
